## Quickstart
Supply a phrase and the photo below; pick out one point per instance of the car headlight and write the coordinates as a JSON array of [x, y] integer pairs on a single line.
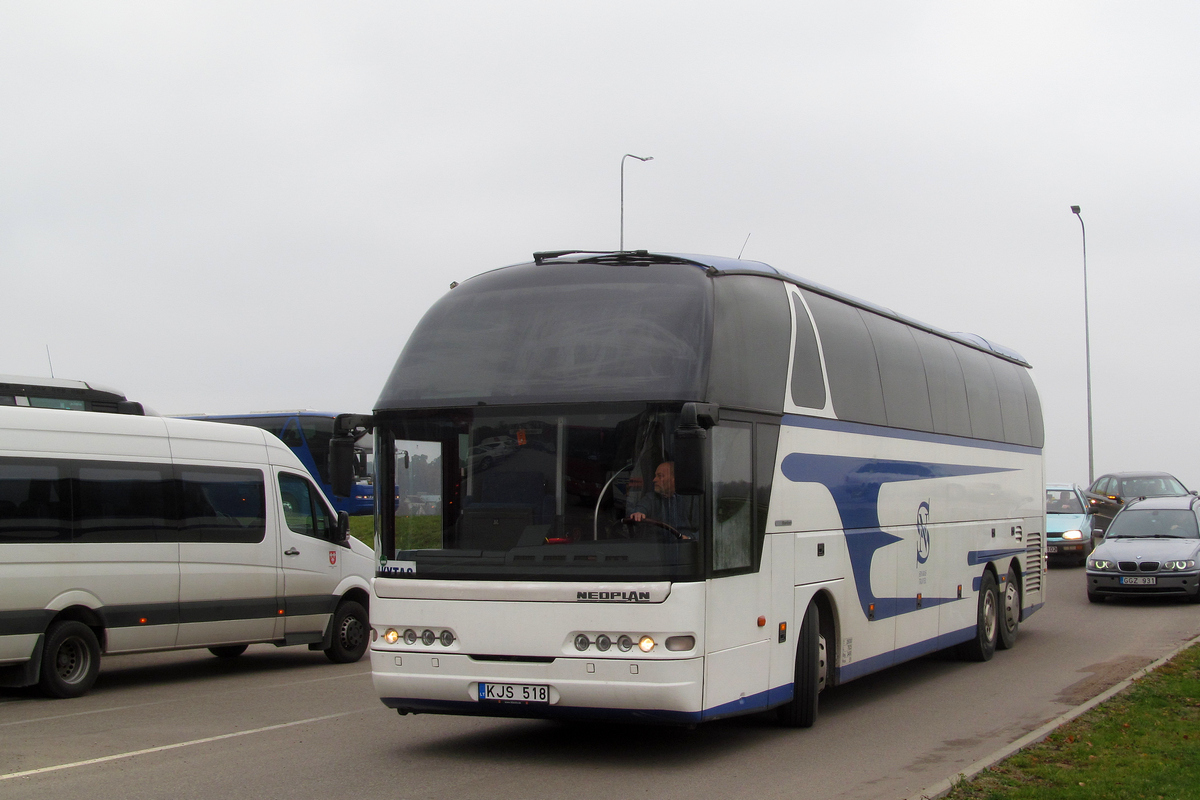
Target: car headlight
[[1102, 564], [1073, 535], [1179, 565]]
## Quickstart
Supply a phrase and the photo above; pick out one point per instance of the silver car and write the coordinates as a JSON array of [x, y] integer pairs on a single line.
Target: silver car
[[1151, 549]]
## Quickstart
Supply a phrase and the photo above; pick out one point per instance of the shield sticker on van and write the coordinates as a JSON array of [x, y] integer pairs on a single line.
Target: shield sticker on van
[[333, 558]]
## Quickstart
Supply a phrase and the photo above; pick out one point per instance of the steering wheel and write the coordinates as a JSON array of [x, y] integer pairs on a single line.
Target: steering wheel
[[656, 523]]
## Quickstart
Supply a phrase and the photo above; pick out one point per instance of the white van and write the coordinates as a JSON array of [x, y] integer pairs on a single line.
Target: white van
[[124, 534]]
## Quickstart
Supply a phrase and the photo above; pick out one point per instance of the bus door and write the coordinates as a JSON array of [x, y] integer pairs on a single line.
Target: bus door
[[737, 646]]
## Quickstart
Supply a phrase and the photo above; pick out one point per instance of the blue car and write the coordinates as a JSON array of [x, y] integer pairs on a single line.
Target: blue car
[[1070, 536]]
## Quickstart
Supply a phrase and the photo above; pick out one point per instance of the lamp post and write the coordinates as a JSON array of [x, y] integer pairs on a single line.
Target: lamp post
[[1087, 345], [639, 158]]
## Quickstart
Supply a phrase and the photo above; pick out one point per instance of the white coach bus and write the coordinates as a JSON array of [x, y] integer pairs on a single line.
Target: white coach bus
[[122, 534], [678, 488]]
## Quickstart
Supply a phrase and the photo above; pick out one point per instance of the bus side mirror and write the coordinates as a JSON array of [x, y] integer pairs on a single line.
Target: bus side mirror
[[694, 421], [347, 429], [341, 466]]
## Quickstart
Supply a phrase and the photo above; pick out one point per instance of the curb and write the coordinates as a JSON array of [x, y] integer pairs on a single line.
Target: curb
[[943, 787]]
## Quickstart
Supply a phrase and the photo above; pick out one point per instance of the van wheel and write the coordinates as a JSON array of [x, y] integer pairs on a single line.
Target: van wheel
[[1010, 612], [70, 659], [349, 633], [987, 623], [801, 710], [228, 651]]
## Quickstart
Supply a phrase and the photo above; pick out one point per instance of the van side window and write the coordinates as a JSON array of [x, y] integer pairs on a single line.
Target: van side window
[[124, 503], [35, 501], [220, 504], [303, 507]]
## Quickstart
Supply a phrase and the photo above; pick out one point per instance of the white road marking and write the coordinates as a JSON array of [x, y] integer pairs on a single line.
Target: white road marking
[[162, 748], [175, 700]]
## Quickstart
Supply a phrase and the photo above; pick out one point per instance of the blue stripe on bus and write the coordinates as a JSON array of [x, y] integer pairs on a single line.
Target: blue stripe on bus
[[854, 483], [868, 665], [826, 424], [984, 556], [540, 711]]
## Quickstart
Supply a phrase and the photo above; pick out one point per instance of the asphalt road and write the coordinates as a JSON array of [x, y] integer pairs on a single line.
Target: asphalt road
[[285, 723]]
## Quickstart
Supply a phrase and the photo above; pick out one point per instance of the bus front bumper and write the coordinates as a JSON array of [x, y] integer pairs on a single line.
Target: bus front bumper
[[645, 690]]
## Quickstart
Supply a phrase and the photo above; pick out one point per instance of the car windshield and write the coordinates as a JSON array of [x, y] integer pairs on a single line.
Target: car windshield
[[1173, 523], [1062, 501], [525, 493], [1152, 486]]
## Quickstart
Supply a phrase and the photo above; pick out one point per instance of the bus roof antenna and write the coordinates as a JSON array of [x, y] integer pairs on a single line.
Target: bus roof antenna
[[743, 246]]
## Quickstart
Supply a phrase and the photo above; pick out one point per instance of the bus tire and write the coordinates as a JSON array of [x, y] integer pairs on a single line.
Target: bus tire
[[801, 710], [982, 646], [1010, 612], [228, 650], [350, 629], [70, 660]]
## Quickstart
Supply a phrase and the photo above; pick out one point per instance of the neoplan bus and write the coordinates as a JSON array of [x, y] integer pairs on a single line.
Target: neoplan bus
[[123, 534], [731, 488], [308, 434]]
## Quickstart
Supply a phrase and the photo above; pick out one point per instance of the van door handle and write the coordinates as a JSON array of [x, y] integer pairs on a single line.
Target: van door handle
[[291, 551]]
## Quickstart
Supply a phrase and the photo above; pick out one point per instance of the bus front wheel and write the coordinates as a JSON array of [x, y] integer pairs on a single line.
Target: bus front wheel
[[982, 646], [801, 710]]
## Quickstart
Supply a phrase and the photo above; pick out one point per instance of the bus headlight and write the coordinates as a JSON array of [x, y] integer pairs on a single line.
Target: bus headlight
[[391, 636], [624, 644], [646, 644], [410, 636], [582, 642]]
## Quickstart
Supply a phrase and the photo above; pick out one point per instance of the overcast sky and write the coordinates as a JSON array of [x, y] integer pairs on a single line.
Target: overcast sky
[[223, 207]]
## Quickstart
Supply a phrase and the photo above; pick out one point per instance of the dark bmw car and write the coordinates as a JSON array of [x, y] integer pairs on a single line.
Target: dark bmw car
[[1110, 492], [1152, 548]]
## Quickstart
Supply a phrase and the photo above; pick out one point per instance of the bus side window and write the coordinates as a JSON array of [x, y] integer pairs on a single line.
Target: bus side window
[[290, 435], [733, 490]]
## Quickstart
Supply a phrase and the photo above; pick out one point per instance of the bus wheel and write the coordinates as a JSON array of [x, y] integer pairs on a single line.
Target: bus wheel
[[987, 623], [228, 651], [801, 710], [349, 633], [1010, 613], [70, 660]]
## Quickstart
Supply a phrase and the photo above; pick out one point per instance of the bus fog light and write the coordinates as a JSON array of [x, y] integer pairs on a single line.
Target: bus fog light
[[582, 642], [646, 644], [410, 636], [391, 636], [625, 644], [446, 638], [428, 637], [681, 642], [603, 643]]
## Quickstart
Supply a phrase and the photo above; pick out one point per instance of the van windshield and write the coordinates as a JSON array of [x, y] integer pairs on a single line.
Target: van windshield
[[547, 494]]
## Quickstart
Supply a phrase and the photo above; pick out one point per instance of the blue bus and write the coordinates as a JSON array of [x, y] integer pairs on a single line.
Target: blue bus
[[308, 434]]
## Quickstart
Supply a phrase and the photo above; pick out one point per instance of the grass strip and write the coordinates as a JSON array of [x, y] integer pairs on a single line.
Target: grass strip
[[1142, 743]]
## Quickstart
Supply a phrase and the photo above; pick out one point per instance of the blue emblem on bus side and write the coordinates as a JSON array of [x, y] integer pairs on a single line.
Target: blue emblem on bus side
[[922, 533]]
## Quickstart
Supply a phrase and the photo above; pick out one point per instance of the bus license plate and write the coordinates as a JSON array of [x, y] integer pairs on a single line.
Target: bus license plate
[[1139, 581], [1051, 548], [514, 693]]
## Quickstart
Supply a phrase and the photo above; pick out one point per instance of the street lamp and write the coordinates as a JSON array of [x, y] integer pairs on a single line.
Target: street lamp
[[639, 158], [1087, 345]]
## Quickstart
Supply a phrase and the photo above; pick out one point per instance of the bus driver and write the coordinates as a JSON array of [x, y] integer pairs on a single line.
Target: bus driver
[[663, 505]]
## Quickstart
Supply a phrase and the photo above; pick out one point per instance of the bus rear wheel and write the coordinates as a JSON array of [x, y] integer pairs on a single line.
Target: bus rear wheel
[[1010, 612], [801, 710], [982, 646]]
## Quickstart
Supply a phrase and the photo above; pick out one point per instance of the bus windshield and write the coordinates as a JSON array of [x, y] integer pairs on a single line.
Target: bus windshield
[[582, 492]]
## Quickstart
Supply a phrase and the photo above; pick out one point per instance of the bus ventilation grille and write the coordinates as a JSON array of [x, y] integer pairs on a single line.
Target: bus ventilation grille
[[1033, 562]]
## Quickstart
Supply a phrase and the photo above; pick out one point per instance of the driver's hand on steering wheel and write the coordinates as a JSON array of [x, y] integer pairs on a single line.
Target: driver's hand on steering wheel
[[637, 516]]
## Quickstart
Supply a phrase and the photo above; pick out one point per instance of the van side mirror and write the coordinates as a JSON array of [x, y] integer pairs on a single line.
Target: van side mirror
[[343, 527]]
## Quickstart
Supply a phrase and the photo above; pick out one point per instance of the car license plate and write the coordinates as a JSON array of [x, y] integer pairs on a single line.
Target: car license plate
[[1139, 581], [514, 693], [1051, 548]]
